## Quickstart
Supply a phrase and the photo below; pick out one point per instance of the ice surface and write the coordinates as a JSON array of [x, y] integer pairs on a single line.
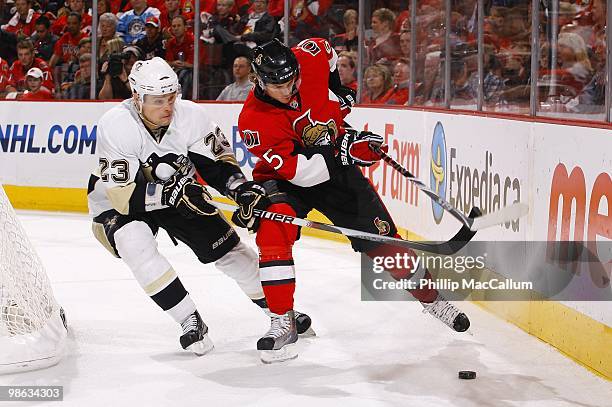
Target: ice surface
[[123, 350]]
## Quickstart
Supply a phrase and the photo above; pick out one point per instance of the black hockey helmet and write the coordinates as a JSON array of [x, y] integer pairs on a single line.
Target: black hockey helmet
[[275, 63]]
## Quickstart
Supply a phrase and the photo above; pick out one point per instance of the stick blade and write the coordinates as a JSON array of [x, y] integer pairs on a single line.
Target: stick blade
[[505, 214]]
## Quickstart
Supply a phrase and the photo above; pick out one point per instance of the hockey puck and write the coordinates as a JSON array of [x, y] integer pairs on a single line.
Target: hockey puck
[[467, 374]]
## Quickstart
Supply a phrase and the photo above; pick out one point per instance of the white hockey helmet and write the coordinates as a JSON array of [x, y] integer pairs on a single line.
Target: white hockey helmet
[[153, 77]]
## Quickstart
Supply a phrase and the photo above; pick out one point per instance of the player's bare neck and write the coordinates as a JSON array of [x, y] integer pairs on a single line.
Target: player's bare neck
[[294, 104]]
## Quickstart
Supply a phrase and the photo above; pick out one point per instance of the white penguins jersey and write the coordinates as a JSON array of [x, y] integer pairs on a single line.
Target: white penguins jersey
[[133, 159]]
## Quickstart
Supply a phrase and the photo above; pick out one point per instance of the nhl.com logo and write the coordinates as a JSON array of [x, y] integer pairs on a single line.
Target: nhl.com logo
[[437, 170]]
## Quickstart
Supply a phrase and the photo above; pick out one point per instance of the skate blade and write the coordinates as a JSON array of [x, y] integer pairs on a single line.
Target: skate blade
[[308, 333], [202, 347], [283, 354]]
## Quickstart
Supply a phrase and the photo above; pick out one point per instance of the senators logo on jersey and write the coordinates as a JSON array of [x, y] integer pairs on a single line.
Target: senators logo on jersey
[[314, 132], [383, 226], [251, 138]]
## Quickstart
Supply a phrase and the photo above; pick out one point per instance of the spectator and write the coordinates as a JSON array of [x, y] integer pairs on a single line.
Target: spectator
[[80, 87], [108, 25], [75, 65], [239, 90], [401, 79], [43, 39], [493, 84], [103, 8], [76, 6], [25, 61], [119, 7], [378, 85], [23, 21], [172, 8], [573, 57], [4, 76], [259, 26], [431, 77], [115, 71], [404, 44], [67, 47], [152, 44], [347, 69], [179, 54], [385, 45], [222, 27], [131, 24], [34, 89], [347, 41]]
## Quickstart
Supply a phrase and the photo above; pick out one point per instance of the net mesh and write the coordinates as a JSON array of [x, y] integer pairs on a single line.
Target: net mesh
[[26, 298]]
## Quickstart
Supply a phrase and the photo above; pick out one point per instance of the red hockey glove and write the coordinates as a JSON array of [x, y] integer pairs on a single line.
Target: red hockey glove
[[354, 148]]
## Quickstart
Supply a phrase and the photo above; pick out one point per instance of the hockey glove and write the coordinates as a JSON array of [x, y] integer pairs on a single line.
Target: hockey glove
[[249, 196], [354, 148], [189, 197], [346, 96]]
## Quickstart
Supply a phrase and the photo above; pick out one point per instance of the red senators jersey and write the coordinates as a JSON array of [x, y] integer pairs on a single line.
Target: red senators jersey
[[67, 47], [282, 136], [17, 74]]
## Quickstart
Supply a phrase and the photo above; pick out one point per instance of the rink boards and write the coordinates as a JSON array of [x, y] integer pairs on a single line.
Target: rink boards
[[47, 151]]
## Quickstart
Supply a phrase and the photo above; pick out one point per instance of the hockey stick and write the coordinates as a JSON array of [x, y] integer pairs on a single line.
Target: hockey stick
[[461, 238], [505, 214]]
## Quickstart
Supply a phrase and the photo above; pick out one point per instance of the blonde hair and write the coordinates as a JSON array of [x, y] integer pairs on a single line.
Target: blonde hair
[[384, 72], [385, 15], [575, 42]]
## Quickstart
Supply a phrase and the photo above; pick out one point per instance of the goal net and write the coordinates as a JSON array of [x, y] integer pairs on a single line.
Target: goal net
[[32, 331]]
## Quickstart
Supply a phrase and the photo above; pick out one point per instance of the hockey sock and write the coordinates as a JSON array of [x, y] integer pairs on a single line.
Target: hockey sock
[[425, 295], [276, 269], [175, 301]]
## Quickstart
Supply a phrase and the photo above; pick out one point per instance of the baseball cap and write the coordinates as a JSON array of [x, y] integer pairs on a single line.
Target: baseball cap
[[152, 20], [35, 72]]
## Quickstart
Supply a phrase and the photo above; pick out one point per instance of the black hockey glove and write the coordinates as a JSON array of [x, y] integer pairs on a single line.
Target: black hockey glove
[[189, 197], [354, 148], [249, 196], [346, 96]]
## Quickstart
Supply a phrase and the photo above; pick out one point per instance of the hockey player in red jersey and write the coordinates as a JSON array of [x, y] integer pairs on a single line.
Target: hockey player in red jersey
[[293, 121]]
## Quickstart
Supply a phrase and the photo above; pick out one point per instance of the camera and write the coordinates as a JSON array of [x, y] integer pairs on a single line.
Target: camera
[[115, 63]]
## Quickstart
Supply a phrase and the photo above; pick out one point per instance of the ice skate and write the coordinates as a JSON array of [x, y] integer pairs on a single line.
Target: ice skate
[[447, 313], [278, 344], [195, 335], [303, 323]]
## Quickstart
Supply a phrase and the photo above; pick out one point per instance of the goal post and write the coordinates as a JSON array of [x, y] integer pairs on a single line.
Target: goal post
[[32, 324]]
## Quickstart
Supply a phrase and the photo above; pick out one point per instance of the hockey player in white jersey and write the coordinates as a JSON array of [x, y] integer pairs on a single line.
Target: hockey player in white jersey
[[149, 148]]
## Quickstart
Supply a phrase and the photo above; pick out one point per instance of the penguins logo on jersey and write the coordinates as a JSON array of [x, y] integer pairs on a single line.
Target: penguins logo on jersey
[[158, 168], [383, 226], [313, 132]]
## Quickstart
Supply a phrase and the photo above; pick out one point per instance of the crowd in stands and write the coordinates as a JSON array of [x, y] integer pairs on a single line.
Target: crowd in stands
[[46, 50]]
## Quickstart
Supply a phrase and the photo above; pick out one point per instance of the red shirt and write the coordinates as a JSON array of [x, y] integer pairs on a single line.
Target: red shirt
[[380, 100], [17, 74], [399, 96], [59, 25], [41, 94], [27, 25], [272, 131], [67, 47], [4, 74], [186, 47]]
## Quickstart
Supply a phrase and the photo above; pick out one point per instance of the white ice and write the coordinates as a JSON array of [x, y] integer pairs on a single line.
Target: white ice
[[123, 350]]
